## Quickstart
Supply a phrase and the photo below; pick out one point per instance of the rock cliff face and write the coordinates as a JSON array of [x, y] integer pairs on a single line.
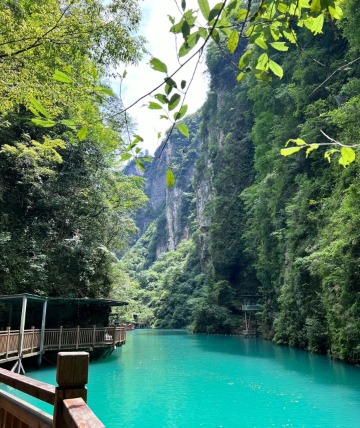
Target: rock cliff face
[[170, 208]]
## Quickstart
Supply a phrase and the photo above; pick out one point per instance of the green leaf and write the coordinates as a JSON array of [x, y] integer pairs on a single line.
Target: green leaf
[[170, 178], [280, 46], [311, 148], [105, 91], [315, 6], [260, 41], [205, 8], [240, 76], [183, 4], [233, 41], [215, 11], [158, 65], [140, 165], [68, 123], [174, 101], [347, 156], [245, 59], [162, 98], [154, 106], [44, 123], [183, 129], [262, 62], [289, 151], [290, 35], [39, 107], [317, 24], [297, 141], [82, 133], [62, 77], [276, 68], [181, 113], [241, 15], [125, 157], [183, 84]]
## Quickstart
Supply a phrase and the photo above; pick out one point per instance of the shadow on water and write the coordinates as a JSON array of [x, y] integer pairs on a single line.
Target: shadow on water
[[318, 368]]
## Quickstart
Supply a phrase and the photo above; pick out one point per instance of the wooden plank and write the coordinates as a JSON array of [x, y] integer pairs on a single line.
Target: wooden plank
[[71, 376], [41, 390], [78, 414], [18, 411]]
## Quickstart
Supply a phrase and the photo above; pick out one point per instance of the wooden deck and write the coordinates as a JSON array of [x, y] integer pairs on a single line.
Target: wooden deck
[[85, 339]]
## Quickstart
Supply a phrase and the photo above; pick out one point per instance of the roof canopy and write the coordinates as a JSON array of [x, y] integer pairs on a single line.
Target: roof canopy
[[60, 301]]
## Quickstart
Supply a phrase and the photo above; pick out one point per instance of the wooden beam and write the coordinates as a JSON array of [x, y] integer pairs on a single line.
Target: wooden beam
[[71, 376], [78, 414], [16, 412], [41, 390]]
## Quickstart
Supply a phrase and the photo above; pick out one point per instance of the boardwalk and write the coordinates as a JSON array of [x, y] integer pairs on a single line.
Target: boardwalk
[[58, 340]]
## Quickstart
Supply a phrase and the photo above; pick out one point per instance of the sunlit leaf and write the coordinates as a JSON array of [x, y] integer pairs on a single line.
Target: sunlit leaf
[[105, 91], [317, 24], [69, 123], [183, 129], [215, 11], [154, 106], [245, 59], [347, 156], [44, 123], [205, 8], [174, 101], [233, 41], [289, 151], [125, 157], [162, 98], [62, 77], [311, 148], [170, 178], [181, 113], [158, 65], [276, 68], [82, 133], [297, 141], [280, 46], [39, 107]]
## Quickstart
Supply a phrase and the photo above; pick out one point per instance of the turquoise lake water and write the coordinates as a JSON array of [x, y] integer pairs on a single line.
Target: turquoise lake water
[[166, 379]]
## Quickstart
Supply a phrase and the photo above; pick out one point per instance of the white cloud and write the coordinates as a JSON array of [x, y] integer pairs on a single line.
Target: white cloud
[[141, 79]]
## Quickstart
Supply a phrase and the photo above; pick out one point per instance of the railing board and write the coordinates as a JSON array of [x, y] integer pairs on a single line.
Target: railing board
[[16, 412], [78, 414], [41, 390]]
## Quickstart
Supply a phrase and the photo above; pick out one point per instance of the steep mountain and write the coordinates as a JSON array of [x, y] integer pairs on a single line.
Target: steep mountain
[[244, 224]]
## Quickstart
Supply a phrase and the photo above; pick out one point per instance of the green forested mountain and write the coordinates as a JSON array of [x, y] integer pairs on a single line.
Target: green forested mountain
[[283, 230]]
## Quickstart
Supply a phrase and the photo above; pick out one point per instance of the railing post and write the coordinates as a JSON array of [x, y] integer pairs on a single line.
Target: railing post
[[60, 335], [94, 336], [7, 341], [114, 336], [77, 336], [71, 376], [32, 338]]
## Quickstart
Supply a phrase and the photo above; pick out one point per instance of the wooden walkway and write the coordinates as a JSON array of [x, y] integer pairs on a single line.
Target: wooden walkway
[[78, 338]]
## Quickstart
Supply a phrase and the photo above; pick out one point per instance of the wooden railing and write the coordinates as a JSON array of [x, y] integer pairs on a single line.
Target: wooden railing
[[69, 397], [58, 339]]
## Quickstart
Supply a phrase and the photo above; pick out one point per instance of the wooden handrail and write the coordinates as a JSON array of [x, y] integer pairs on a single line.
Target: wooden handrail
[[41, 390], [77, 414], [69, 398]]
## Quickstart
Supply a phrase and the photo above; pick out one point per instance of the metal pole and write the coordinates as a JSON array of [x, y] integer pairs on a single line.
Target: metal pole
[[21, 335], [42, 332]]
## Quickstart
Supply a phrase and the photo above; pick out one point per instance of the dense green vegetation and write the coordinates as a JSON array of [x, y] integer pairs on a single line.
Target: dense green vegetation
[[282, 230], [64, 203]]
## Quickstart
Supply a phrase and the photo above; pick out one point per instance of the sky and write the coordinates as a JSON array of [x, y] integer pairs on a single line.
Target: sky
[[141, 79]]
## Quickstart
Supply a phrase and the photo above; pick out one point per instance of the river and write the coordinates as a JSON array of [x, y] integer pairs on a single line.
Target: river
[[168, 378]]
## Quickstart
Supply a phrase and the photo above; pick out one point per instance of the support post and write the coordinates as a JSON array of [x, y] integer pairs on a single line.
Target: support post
[[7, 341], [42, 332], [18, 365], [77, 336], [71, 376], [94, 336], [114, 336]]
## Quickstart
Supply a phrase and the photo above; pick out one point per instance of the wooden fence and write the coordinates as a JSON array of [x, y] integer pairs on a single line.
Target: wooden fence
[[68, 398], [59, 339]]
